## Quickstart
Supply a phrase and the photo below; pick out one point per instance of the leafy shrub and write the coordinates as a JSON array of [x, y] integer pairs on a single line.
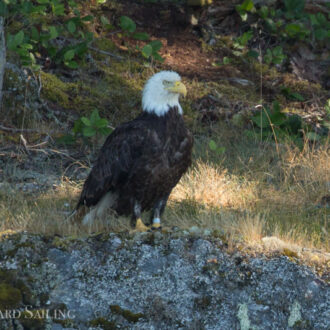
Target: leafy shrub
[[283, 26], [86, 128], [36, 35], [273, 123], [90, 127], [149, 50]]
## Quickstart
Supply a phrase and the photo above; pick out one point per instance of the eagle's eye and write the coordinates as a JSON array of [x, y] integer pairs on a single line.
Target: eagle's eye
[[166, 83]]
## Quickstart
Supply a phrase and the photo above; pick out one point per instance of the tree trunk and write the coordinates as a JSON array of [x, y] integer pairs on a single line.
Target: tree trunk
[[2, 55]]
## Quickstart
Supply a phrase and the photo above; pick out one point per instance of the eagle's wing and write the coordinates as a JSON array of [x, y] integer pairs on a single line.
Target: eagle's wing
[[121, 150]]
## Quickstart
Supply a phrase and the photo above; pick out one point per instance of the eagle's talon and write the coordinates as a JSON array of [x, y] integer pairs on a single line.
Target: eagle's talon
[[140, 227], [156, 226]]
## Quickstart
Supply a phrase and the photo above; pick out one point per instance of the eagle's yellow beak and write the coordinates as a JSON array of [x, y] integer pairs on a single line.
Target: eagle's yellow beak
[[178, 87]]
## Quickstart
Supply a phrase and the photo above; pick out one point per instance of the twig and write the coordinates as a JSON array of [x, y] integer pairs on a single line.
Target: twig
[[23, 130], [105, 53], [26, 148]]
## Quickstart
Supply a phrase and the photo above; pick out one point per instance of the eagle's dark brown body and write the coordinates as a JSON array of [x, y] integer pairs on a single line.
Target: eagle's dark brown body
[[140, 162]]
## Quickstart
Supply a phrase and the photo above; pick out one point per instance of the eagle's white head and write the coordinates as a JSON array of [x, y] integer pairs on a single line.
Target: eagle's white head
[[162, 91]]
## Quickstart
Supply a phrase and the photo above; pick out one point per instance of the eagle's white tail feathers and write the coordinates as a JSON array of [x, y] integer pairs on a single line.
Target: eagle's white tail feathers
[[98, 211]]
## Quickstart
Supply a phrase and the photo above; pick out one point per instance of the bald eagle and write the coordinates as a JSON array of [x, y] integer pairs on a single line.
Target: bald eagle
[[142, 160]]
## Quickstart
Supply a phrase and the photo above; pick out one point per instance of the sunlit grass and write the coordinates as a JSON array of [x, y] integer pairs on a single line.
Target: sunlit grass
[[246, 195]]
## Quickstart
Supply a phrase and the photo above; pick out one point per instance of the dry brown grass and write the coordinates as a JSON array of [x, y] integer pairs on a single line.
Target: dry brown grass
[[243, 207]]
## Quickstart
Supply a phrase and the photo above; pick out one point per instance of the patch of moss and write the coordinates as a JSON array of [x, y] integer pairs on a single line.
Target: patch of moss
[[58, 91], [289, 253], [33, 319], [12, 253], [10, 297], [105, 44], [63, 243], [103, 323], [27, 295], [128, 315]]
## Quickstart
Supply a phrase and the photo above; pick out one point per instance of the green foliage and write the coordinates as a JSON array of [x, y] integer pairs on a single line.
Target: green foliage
[[127, 24], [149, 50], [215, 148], [242, 41], [274, 56], [286, 91], [86, 128], [273, 123], [35, 38], [284, 26], [92, 126], [244, 8]]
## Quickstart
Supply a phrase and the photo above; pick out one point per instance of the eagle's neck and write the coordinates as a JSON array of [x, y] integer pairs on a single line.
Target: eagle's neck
[[159, 102]]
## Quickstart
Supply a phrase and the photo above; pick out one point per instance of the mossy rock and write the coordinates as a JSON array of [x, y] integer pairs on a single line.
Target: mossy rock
[[10, 297], [34, 319], [103, 323], [128, 315], [58, 91]]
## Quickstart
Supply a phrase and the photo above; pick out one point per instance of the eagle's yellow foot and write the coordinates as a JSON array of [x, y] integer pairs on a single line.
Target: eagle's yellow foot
[[156, 226], [139, 227]]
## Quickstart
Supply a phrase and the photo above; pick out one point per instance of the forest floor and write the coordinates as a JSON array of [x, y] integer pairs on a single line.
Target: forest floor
[[255, 195]]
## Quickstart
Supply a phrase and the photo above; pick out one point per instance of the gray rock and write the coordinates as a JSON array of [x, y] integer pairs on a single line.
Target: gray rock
[[159, 281]]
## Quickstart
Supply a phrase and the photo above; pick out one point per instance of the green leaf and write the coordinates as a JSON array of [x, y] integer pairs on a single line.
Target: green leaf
[[157, 57], [53, 32], [71, 27], [292, 29], [78, 126], [104, 130], [71, 64], [212, 145], [277, 118], [43, 2], [104, 20], [94, 116], [261, 119], [86, 121], [69, 55], [26, 46], [247, 5], [18, 39], [146, 51], [34, 34], [101, 1], [253, 54], [89, 36], [298, 97], [320, 34], [58, 9], [321, 19], [89, 131], [263, 12], [127, 24], [268, 56], [226, 60], [156, 45], [141, 36], [276, 107], [88, 18], [101, 123]]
